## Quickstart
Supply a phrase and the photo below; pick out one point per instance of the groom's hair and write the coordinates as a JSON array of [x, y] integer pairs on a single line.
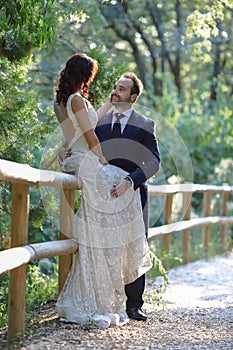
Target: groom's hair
[[137, 84]]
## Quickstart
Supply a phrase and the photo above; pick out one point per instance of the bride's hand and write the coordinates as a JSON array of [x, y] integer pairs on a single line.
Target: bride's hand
[[103, 160], [105, 107], [109, 99]]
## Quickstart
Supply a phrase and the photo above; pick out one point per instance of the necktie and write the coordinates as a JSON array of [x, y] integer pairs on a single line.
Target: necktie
[[116, 130]]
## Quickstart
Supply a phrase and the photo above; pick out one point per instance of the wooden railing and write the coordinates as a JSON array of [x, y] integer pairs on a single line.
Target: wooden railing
[[15, 259], [187, 189]]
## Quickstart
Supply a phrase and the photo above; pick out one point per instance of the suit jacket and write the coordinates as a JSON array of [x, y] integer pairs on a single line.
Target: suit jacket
[[136, 151]]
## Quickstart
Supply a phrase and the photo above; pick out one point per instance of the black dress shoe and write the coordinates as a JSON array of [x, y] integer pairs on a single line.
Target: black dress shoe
[[136, 313]]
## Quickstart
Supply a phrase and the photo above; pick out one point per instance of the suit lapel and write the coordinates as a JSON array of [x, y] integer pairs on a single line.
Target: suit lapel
[[107, 124], [131, 122]]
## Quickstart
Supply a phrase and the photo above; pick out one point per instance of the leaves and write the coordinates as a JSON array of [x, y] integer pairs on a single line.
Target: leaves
[[18, 112], [25, 25]]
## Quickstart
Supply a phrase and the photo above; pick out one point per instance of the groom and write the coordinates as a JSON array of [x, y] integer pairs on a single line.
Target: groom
[[128, 141]]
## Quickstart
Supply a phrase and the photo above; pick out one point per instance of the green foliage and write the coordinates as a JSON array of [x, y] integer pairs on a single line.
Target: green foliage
[[25, 25], [205, 126], [19, 109], [40, 288], [223, 172], [42, 227], [167, 260], [203, 25], [4, 280], [158, 269], [108, 73], [21, 130]]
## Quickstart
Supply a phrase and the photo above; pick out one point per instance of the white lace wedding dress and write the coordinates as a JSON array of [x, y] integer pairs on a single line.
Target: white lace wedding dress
[[113, 250]]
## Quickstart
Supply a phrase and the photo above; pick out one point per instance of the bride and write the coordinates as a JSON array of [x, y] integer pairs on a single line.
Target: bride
[[109, 228]]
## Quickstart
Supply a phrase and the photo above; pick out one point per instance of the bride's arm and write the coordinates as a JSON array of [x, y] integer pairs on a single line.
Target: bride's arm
[[80, 110], [104, 108]]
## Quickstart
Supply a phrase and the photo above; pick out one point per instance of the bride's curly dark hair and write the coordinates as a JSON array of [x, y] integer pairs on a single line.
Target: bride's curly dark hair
[[78, 73]]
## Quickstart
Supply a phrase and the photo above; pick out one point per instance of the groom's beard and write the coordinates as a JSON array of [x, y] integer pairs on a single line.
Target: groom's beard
[[117, 101]]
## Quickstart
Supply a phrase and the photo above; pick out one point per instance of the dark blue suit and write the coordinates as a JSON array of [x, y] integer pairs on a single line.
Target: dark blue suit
[[137, 152]]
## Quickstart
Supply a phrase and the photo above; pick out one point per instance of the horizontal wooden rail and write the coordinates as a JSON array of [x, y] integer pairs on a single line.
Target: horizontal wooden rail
[[24, 174], [184, 225], [14, 257], [186, 187]]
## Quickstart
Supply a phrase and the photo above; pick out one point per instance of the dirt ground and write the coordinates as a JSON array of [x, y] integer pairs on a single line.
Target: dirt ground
[[198, 314]]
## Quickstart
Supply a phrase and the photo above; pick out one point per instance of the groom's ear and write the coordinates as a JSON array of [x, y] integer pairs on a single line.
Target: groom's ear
[[133, 98]]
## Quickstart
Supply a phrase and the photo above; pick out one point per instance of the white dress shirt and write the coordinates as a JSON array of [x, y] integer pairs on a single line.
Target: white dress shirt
[[124, 120]]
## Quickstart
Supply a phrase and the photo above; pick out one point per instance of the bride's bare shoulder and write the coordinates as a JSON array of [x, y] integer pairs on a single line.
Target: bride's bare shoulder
[[78, 103]]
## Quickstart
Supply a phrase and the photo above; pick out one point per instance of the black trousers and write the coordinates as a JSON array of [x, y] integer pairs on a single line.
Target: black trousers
[[134, 293], [135, 290]]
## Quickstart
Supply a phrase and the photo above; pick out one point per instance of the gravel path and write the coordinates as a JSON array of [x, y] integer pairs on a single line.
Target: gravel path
[[198, 314]]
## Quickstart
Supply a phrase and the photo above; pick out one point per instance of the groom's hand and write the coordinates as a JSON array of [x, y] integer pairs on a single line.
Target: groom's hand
[[119, 188]]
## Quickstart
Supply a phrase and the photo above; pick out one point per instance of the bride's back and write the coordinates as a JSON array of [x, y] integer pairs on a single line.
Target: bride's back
[[64, 121]]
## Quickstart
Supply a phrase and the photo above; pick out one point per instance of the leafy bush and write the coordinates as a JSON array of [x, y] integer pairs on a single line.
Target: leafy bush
[[25, 25], [40, 288]]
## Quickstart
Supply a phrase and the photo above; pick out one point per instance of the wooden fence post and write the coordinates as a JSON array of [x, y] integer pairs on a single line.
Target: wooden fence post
[[167, 220], [187, 204], [207, 211], [66, 229], [17, 286], [223, 228]]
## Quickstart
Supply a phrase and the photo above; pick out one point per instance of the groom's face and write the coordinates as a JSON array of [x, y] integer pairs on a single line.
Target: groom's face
[[121, 93]]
